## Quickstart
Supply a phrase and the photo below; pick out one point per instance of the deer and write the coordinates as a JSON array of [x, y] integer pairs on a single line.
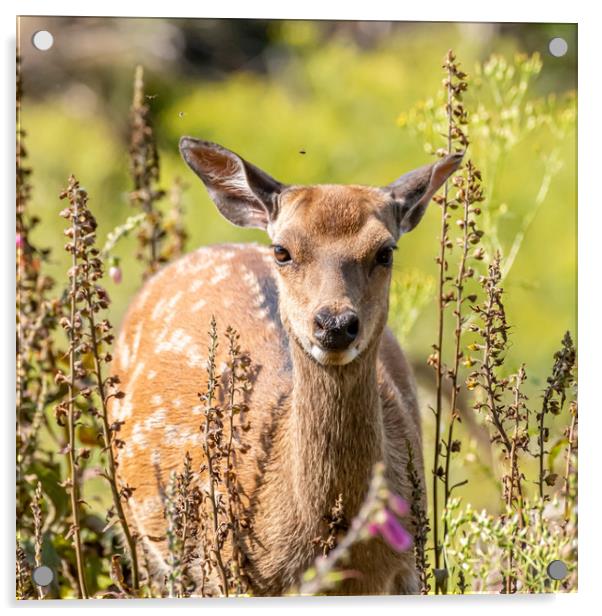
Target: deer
[[333, 392]]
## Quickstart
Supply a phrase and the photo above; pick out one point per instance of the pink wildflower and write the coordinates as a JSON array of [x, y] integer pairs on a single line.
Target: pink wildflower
[[391, 530], [394, 533], [115, 274], [398, 505]]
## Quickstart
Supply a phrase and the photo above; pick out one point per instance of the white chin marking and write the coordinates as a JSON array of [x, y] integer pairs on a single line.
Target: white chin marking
[[333, 358]]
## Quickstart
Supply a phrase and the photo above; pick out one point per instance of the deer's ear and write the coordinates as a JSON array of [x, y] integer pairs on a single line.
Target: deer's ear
[[243, 193], [413, 191]]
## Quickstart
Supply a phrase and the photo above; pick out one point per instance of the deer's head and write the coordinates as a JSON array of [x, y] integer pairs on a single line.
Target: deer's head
[[333, 245]]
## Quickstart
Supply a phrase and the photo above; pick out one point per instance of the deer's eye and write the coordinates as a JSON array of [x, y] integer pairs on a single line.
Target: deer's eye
[[281, 254], [385, 256]]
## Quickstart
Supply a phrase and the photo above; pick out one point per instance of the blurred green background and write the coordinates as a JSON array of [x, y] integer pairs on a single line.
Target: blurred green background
[[348, 95]]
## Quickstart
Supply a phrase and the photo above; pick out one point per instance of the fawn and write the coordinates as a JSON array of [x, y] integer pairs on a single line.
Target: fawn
[[333, 393]]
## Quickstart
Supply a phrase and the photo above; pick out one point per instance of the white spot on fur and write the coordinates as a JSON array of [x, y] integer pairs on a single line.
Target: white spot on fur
[[165, 306], [146, 291], [156, 399], [151, 374], [124, 357], [155, 421], [179, 342], [253, 283], [197, 410], [195, 357], [173, 301], [176, 343], [256, 293], [262, 314], [125, 409], [178, 436], [136, 342], [121, 338], [128, 450], [221, 272], [204, 260], [138, 436], [198, 305], [158, 308]]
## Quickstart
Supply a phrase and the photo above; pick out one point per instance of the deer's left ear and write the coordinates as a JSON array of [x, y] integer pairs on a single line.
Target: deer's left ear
[[413, 191]]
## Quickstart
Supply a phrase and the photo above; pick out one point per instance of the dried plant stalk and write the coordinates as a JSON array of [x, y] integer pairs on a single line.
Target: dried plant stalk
[[421, 523], [68, 409], [24, 585], [96, 299], [36, 316], [175, 576], [36, 510], [570, 471], [224, 518], [212, 447], [469, 193], [494, 334], [144, 169], [335, 526], [510, 420], [183, 500], [512, 480], [238, 387], [554, 398], [175, 231], [88, 337], [455, 85]]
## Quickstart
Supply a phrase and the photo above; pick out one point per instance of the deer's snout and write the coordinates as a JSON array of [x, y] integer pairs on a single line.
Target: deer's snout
[[335, 331]]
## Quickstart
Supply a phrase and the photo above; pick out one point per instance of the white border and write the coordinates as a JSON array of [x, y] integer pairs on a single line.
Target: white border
[[590, 243]]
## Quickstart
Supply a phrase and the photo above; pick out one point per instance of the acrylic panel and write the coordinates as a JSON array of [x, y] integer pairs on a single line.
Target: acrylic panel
[[227, 230]]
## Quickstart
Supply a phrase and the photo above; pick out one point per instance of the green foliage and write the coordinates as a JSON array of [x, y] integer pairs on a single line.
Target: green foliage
[[477, 545], [325, 112], [338, 102], [524, 144], [411, 291]]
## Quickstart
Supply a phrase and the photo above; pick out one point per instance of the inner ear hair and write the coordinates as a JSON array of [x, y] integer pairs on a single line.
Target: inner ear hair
[[243, 193], [413, 191]]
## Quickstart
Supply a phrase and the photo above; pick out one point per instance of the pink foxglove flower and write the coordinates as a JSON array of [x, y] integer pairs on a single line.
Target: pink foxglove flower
[[394, 533], [398, 505], [115, 274], [391, 530]]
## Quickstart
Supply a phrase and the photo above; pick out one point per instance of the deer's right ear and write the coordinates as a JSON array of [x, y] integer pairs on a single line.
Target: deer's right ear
[[243, 193]]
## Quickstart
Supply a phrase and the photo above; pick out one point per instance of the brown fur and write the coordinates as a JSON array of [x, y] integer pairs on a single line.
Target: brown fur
[[344, 419], [317, 426]]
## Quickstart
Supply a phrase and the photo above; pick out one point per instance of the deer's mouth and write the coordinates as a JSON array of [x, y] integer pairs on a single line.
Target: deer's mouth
[[333, 358], [325, 357]]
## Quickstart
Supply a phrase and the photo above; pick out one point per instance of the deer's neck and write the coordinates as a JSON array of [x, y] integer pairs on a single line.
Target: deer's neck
[[334, 431]]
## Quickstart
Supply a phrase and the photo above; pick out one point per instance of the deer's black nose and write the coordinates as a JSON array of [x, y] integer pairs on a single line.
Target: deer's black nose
[[335, 332]]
